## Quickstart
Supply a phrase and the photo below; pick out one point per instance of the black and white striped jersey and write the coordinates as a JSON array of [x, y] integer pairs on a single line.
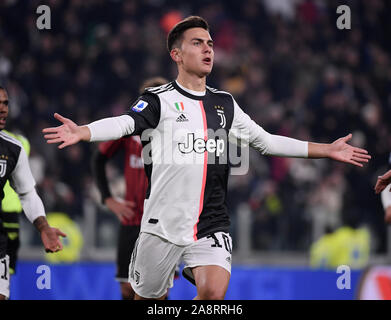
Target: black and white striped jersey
[[185, 139], [15, 168]]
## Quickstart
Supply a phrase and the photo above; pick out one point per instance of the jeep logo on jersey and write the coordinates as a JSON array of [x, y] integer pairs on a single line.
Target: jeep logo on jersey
[[3, 168], [199, 145], [140, 106]]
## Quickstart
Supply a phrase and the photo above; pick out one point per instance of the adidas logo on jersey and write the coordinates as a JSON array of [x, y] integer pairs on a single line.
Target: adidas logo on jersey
[[182, 118]]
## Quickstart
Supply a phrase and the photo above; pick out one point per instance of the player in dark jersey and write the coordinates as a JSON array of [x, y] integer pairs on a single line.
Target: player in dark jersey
[[11, 209], [185, 125], [383, 186], [129, 210], [14, 167]]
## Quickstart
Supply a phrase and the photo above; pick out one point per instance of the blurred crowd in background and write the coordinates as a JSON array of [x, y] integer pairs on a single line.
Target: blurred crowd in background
[[286, 63]]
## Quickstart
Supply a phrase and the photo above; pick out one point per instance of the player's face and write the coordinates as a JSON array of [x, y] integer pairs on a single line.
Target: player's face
[[196, 52], [3, 108]]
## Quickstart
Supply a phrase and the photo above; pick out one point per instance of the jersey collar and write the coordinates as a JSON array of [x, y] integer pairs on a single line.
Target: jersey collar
[[187, 92]]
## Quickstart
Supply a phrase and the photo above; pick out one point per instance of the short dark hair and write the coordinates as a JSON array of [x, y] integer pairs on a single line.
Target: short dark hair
[[175, 35], [152, 82]]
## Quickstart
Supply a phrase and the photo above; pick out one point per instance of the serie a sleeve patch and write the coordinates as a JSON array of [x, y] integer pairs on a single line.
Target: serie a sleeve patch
[[140, 106]]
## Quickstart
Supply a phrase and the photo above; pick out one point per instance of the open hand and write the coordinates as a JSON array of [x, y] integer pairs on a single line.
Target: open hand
[[67, 134], [51, 239], [340, 150]]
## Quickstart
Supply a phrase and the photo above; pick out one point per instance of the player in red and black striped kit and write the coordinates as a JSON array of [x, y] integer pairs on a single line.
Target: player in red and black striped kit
[[129, 210]]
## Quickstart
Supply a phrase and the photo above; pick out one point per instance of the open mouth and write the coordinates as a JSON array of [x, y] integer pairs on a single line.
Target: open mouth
[[207, 60], [3, 120]]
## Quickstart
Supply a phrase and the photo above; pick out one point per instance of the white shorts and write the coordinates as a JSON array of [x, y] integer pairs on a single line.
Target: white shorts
[[153, 262], [215, 249], [5, 277]]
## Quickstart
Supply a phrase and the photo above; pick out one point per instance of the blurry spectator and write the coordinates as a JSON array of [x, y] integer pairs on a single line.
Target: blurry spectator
[[345, 246], [326, 204]]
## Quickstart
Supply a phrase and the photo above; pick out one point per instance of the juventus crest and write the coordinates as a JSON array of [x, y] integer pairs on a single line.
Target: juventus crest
[[3, 168], [221, 114]]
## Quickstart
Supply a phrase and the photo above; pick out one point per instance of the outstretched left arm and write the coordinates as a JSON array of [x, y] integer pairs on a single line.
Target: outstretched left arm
[[339, 150], [275, 145]]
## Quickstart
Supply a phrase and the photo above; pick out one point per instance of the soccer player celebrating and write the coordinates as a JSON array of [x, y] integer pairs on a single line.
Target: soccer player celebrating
[[14, 167], [185, 213]]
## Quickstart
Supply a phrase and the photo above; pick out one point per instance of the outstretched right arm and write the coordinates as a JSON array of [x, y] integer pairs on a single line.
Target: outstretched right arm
[[143, 114], [70, 133]]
